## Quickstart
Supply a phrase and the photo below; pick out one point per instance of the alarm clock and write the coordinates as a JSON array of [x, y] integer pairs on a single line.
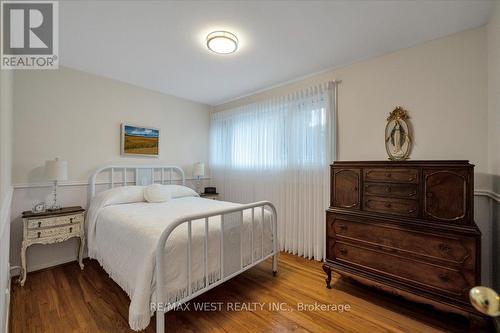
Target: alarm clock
[[39, 208]]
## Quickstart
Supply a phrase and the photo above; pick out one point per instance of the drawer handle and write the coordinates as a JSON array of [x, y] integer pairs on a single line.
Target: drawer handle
[[343, 227], [411, 179], [70, 229], [412, 210], [39, 224], [388, 205], [343, 251], [388, 189], [443, 247], [38, 234], [412, 194], [71, 220], [444, 277], [388, 175]]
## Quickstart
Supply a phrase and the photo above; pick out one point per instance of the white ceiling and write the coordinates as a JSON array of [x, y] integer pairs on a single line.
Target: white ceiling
[[160, 45]]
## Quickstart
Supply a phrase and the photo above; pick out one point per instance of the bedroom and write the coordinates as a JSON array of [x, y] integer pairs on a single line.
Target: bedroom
[[234, 150]]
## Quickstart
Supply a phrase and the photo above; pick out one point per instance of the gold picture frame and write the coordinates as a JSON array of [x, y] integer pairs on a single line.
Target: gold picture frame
[[398, 136]]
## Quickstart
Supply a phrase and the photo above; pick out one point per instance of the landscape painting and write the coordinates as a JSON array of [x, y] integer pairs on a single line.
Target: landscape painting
[[140, 141]]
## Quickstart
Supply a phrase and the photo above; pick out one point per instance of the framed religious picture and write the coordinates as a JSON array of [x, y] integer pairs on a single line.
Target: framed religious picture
[[398, 137]]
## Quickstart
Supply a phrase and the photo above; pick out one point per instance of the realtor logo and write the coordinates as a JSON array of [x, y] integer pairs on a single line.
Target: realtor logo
[[29, 35]]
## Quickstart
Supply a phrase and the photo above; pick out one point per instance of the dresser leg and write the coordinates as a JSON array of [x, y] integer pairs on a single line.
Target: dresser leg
[[80, 252], [22, 275], [328, 279]]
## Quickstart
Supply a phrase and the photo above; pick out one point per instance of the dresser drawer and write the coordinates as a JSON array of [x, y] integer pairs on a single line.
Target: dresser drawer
[[395, 206], [447, 280], [391, 190], [456, 250], [391, 175], [54, 232], [55, 221]]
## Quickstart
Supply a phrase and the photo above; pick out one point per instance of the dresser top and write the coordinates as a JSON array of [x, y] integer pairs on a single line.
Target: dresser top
[[63, 211], [407, 163]]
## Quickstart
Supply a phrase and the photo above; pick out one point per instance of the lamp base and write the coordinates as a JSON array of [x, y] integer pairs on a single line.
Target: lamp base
[[55, 206]]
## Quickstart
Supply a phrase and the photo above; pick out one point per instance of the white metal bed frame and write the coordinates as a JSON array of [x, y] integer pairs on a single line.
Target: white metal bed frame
[[145, 175]]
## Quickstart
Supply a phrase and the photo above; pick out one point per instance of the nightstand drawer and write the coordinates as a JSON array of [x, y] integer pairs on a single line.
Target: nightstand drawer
[[55, 221], [69, 219], [54, 232]]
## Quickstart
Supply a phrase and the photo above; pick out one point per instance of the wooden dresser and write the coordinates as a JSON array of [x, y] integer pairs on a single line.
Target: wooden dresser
[[407, 228]]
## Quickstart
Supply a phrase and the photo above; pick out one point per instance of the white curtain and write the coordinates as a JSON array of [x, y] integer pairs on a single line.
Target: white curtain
[[279, 150]]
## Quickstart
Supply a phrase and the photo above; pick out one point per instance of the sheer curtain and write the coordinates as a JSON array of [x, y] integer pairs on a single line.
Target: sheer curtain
[[279, 150]]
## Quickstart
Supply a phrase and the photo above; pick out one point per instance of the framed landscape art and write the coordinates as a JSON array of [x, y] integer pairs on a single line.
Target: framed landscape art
[[140, 141]]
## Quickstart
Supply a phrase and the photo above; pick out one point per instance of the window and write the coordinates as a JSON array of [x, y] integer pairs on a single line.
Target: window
[[273, 135]]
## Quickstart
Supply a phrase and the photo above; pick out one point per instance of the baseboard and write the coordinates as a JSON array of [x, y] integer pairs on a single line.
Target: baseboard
[[44, 266]]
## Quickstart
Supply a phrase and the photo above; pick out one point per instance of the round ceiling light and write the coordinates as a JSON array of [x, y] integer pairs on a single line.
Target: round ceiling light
[[222, 42]]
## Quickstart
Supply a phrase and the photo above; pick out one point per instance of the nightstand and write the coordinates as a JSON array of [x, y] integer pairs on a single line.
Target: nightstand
[[213, 196], [49, 228]]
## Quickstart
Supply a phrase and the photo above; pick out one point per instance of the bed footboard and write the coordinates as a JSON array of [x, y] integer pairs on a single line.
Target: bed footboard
[[161, 309]]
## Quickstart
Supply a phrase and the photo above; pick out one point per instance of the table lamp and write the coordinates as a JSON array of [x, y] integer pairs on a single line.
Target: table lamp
[[56, 170], [198, 172]]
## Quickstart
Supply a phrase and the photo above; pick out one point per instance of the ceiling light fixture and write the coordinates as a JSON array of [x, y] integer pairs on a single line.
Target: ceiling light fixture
[[222, 42]]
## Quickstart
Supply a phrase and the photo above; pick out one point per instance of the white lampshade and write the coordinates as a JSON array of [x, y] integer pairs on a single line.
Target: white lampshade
[[56, 169], [199, 169]]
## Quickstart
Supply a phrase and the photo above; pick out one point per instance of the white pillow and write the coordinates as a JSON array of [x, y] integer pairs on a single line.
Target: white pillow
[[157, 193], [121, 195], [180, 191]]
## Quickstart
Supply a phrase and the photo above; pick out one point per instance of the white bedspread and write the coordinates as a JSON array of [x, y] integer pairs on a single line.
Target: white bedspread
[[123, 238]]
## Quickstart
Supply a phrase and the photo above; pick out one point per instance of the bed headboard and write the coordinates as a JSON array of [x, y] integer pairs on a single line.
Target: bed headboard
[[122, 175]]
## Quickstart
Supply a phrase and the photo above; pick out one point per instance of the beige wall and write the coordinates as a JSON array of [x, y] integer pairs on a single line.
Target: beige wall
[[443, 84], [6, 109], [76, 116], [6, 82], [493, 33]]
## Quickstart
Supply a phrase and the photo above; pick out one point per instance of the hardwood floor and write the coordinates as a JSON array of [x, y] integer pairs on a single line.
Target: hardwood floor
[[66, 299]]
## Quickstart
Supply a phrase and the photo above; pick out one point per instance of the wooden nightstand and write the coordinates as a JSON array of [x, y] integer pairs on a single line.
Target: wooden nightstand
[[213, 196], [49, 228]]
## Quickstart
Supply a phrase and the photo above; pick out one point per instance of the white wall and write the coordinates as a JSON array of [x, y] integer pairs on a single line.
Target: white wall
[[493, 37], [6, 96], [5, 190], [76, 116], [442, 83]]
